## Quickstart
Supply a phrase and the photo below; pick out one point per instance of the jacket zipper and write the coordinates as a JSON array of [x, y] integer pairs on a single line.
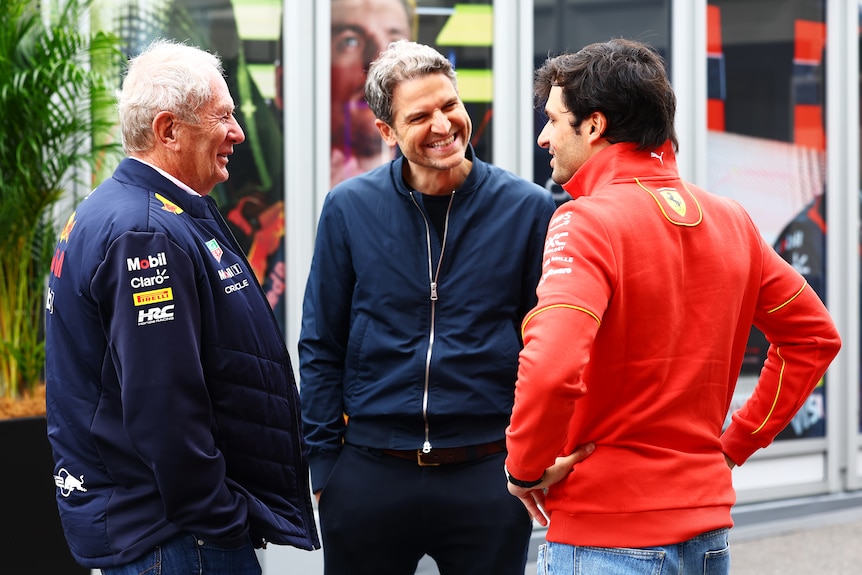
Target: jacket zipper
[[433, 276]]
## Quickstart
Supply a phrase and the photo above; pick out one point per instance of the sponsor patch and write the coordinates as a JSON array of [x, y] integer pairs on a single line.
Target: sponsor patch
[[230, 272], [556, 242], [153, 296], [67, 229], [67, 483], [168, 205], [49, 301], [236, 287], [146, 262], [215, 249], [156, 315], [60, 253], [139, 282]]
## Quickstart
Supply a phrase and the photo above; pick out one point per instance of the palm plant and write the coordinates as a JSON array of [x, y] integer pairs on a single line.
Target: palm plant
[[55, 86]]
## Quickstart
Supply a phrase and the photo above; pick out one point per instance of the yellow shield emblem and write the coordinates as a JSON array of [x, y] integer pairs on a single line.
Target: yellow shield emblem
[[673, 199]]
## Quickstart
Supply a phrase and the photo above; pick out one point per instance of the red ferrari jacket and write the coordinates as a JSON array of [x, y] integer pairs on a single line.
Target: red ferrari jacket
[[649, 289]]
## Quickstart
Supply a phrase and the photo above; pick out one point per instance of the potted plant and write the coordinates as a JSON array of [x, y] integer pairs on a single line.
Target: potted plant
[[55, 87], [55, 96]]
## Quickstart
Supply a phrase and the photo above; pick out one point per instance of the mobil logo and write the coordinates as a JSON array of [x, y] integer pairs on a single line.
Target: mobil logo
[[146, 262]]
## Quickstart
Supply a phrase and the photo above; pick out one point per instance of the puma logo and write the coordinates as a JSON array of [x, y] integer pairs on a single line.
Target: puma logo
[[657, 156]]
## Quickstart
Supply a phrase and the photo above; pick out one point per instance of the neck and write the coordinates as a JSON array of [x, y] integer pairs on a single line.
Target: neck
[[437, 182]]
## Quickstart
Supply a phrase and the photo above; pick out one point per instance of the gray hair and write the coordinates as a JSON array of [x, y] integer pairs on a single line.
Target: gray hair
[[402, 60], [166, 76]]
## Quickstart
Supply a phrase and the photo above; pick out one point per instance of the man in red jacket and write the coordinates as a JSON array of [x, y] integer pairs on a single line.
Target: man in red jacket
[[649, 288]]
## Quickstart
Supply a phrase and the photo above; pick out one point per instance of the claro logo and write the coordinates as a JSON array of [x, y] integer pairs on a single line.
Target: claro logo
[[146, 262], [138, 282]]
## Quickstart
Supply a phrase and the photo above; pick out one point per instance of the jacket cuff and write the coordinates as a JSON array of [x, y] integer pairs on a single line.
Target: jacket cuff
[[737, 448], [321, 466]]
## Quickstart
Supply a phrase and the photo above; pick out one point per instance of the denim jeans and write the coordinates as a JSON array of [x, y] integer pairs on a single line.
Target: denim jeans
[[706, 554], [187, 555]]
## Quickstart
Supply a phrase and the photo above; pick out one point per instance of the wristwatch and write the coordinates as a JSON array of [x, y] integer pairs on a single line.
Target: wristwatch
[[519, 483]]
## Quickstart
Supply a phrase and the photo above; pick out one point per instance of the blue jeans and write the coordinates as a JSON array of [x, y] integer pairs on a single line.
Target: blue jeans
[[706, 554], [187, 555]]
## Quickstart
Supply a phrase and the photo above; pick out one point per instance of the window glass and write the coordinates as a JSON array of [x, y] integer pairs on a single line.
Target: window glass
[[361, 29], [568, 25], [766, 145]]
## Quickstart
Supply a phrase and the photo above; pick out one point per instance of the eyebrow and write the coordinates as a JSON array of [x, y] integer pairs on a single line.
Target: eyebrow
[[362, 31]]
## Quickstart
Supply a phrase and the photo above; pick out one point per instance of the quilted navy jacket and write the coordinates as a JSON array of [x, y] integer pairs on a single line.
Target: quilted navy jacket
[[172, 404]]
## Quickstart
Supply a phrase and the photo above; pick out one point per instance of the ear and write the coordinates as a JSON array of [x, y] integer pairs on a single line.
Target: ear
[[596, 125], [165, 129], [387, 132]]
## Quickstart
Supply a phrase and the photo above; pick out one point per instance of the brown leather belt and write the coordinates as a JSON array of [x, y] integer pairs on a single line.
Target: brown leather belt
[[447, 455]]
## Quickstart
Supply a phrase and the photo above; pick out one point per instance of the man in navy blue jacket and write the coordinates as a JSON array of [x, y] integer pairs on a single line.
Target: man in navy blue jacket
[[422, 272], [172, 409]]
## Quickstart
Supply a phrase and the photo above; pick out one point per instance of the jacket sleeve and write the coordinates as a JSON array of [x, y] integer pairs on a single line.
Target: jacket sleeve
[[154, 341], [323, 341], [543, 212], [803, 341], [558, 335], [557, 347]]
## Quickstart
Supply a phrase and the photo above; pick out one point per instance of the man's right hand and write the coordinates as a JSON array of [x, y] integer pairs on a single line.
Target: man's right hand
[[534, 498]]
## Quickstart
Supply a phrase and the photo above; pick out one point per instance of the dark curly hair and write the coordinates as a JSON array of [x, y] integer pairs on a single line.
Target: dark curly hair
[[625, 80]]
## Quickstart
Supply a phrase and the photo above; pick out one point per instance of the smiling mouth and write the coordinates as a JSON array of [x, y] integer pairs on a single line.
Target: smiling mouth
[[443, 143]]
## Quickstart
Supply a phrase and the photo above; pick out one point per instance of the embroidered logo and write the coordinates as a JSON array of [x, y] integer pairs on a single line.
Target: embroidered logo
[[68, 482], [659, 157], [147, 262], [152, 296], [685, 209], [168, 205], [67, 229], [156, 315], [672, 197], [60, 252], [215, 249]]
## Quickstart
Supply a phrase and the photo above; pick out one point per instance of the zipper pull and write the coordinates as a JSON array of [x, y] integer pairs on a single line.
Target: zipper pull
[[433, 296], [426, 447]]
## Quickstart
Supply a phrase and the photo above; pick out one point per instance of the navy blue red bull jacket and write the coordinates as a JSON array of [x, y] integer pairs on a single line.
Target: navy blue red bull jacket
[[172, 405]]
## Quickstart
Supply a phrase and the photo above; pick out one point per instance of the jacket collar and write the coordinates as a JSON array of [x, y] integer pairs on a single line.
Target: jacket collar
[[618, 161], [474, 178], [134, 173]]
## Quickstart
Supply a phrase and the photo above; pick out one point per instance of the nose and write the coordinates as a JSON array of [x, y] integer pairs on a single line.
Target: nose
[[235, 133], [440, 123], [544, 140]]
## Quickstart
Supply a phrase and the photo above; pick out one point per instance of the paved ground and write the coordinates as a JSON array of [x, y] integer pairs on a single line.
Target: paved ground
[[826, 545], [785, 543]]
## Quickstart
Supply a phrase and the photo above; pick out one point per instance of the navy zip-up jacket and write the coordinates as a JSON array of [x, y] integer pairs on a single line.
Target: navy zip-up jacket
[[415, 339], [172, 405]]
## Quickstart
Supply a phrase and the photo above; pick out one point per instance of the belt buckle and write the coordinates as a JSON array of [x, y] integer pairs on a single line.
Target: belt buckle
[[423, 463]]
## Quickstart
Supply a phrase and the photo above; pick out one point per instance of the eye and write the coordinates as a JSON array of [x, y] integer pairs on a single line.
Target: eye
[[347, 41]]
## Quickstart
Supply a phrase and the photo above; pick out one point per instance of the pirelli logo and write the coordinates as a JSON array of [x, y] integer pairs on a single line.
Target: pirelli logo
[[153, 296]]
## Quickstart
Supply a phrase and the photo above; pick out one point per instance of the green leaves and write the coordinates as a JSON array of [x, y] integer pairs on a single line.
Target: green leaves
[[56, 97]]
